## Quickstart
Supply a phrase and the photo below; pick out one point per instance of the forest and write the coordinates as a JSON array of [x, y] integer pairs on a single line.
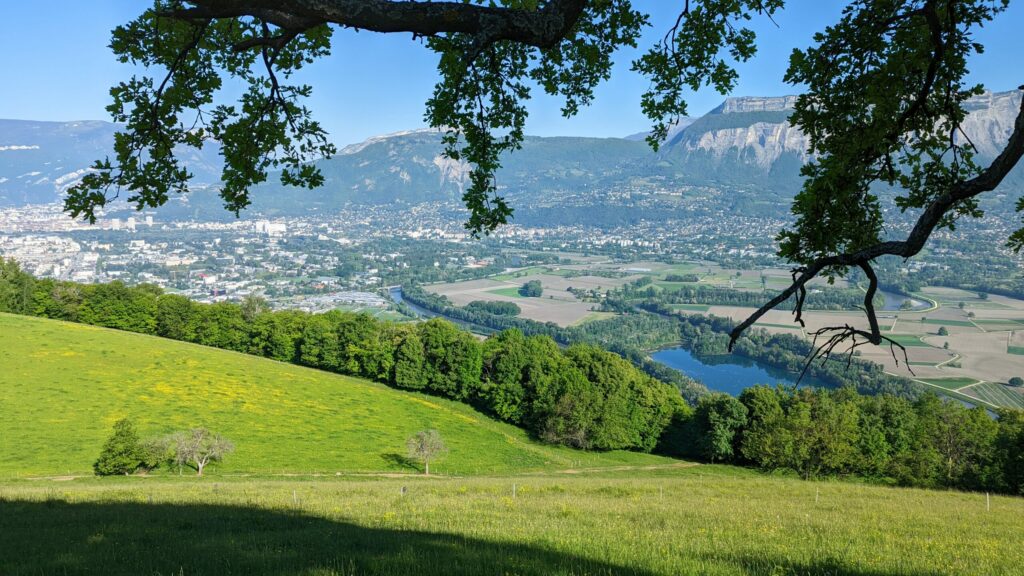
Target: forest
[[830, 299], [925, 442]]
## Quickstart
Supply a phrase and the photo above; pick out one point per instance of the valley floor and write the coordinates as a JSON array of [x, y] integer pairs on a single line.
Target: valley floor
[[677, 520]]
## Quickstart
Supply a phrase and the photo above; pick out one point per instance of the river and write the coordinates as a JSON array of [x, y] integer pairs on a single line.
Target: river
[[395, 292], [894, 301]]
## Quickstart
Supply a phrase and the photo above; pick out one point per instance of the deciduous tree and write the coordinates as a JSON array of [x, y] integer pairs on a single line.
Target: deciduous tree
[[122, 453], [426, 446], [198, 447]]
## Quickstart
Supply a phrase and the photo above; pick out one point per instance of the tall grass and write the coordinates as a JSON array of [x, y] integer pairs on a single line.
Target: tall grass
[[699, 520]]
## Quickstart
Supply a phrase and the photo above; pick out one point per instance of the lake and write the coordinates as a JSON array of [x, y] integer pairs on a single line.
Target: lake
[[727, 373]]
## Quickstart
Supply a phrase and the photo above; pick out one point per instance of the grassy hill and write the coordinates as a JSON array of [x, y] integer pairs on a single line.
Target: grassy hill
[[63, 386]]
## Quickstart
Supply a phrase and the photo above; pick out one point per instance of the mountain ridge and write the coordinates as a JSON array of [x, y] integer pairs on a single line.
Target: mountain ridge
[[745, 143]]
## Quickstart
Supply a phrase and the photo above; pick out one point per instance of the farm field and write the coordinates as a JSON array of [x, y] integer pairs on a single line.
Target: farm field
[[64, 385], [556, 304], [996, 394], [563, 308], [708, 520]]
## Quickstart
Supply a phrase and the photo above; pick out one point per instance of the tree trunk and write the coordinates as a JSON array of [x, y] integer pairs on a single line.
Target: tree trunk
[[426, 467]]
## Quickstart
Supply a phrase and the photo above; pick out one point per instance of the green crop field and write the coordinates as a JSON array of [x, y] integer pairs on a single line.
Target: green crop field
[[771, 325], [950, 383], [940, 322], [511, 291], [690, 307], [1015, 350], [997, 394], [909, 340], [593, 317], [706, 520], [62, 386]]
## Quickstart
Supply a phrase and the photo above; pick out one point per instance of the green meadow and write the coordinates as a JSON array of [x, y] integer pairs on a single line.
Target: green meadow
[[64, 385], [705, 520], [319, 485], [952, 383], [511, 292]]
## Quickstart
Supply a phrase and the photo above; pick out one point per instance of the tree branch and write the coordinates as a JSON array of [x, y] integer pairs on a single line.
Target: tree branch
[[542, 28]]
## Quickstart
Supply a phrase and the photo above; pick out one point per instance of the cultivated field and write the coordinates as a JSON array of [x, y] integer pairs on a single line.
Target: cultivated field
[[62, 386], [706, 520], [556, 304]]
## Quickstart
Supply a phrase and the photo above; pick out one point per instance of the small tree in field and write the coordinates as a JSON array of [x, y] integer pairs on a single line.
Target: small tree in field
[[198, 447], [943, 331], [155, 451], [425, 447], [121, 453], [1016, 381]]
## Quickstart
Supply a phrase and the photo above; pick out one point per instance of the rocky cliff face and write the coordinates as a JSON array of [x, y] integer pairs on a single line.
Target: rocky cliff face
[[760, 144], [744, 104], [755, 130], [990, 120]]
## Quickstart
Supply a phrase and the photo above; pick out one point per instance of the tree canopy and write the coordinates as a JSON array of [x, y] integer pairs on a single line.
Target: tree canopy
[[884, 93]]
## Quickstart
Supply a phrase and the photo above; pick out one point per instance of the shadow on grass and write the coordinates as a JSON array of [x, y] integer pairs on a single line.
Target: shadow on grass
[[56, 537], [402, 461], [115, 538]]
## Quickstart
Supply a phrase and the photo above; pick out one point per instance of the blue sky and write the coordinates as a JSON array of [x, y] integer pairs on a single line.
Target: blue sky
[[55, 56]]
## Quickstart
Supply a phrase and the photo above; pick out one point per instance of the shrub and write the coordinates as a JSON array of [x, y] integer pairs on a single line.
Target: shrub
[[531, 289], [122, 453]]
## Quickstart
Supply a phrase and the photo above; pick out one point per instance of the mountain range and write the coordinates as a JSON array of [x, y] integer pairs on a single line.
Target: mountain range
[[745, 145]]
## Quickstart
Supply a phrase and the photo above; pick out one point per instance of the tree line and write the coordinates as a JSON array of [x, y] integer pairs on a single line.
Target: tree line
[[496, 307], [926, 442], [629, 336], [643, 289], [125, 452]]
